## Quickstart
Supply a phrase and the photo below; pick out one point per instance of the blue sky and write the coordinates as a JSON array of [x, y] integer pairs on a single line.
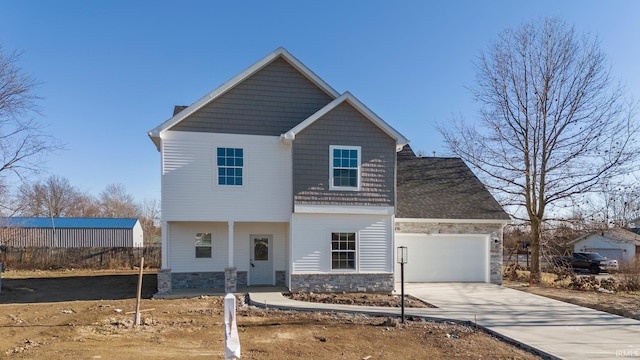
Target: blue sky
[[112, 70]]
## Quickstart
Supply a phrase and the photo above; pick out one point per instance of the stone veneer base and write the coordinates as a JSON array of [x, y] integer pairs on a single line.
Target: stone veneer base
[[203, 280], [327, 283]]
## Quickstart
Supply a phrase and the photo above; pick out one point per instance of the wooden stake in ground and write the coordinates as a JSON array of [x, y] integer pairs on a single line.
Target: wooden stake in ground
[[136, 318]]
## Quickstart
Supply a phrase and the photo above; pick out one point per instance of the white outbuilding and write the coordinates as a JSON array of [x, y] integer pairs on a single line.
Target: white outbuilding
[[618, 244]]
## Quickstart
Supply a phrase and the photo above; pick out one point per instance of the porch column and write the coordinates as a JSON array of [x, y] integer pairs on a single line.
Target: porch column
[[230, 244], [164, 273], [230, 272]]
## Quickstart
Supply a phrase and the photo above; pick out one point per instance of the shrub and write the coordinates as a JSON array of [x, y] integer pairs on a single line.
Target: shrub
[[629, 276]]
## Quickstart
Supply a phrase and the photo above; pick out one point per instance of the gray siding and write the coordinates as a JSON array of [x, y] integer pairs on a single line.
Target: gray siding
[[344, 126], [270, 102], [67, 238]]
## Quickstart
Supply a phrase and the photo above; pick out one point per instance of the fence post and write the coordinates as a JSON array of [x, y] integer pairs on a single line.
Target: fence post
[[0, 277]]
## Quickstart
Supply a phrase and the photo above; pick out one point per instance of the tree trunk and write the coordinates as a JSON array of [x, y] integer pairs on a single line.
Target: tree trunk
[[536, 236]]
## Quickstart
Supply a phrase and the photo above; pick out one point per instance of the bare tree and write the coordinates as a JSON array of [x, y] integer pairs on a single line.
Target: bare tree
[[116, 202], [22, 139], [552, 124], [150, 220], [55, 197]]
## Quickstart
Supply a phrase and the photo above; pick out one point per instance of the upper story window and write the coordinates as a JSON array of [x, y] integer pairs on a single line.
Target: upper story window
[[344, 163], [230, 163]]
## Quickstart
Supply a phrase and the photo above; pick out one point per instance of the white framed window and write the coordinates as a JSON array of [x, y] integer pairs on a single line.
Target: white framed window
[[230, 162], [344, 167], [203, 245], [343, 251]]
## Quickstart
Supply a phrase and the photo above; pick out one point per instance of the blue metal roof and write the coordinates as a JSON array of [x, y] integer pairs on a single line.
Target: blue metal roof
[[68, 223]]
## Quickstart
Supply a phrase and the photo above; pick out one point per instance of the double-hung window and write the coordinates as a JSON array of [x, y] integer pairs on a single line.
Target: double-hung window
[[344, 163], [230, 162], [343, 251], [203, 245]]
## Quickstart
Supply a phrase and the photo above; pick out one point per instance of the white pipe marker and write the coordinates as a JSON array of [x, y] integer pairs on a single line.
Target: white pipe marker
[[231, 339]]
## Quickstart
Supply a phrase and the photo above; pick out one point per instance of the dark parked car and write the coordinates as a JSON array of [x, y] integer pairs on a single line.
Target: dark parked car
[[593, 262]]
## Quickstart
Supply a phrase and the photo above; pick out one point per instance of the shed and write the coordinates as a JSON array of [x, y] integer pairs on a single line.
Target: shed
[[71, 232], [619, 244]]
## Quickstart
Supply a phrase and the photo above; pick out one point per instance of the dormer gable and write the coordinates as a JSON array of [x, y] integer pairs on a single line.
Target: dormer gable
[[347, 98]]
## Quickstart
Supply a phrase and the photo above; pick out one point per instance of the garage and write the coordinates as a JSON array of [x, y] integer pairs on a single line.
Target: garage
[[445, 257]]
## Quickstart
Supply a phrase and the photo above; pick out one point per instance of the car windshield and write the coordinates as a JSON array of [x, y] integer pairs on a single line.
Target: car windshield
[[594, 256]]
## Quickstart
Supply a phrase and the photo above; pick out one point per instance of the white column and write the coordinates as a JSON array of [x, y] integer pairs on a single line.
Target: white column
[[230, 244], [166, 228]]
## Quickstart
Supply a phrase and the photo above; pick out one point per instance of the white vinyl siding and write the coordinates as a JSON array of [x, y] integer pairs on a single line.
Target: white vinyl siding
[[181, 245], [189, 178], [311, 242], [182, 248]]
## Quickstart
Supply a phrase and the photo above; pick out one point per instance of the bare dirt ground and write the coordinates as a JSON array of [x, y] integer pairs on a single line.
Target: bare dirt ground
[[625, 304], [85, 315]]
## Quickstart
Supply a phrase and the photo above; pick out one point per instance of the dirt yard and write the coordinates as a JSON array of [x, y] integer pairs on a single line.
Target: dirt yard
[[86, 315]]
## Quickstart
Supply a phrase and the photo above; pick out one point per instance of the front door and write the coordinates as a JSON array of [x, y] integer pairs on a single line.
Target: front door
[[261, 260]]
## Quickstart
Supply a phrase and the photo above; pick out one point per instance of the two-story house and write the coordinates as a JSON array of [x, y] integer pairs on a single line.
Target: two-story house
[[275, 178]]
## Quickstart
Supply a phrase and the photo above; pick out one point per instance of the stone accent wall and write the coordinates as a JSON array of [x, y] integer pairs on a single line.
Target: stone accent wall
[[327, 283], [203, 280], [281, 278], [164, 281], [230, 280], [493, 230]]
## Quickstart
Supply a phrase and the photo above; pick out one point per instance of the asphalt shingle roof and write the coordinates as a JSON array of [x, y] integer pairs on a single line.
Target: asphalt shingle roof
[[442, 188], [68, 223]]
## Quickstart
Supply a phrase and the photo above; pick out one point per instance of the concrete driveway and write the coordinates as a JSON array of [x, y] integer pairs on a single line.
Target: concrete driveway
[[556, 328]]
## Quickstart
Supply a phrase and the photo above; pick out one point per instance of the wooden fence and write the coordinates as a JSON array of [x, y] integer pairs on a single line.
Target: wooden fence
[[95, 258]]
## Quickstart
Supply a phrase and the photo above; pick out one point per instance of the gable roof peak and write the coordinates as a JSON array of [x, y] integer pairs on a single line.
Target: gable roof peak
[[279, 53], [401, 141]]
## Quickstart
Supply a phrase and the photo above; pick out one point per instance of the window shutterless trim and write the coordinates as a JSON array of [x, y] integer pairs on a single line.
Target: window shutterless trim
[[345, 167]]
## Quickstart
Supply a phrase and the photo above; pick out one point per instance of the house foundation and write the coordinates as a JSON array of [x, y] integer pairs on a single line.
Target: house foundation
[[230, 280], [164, 281], [328, 283]]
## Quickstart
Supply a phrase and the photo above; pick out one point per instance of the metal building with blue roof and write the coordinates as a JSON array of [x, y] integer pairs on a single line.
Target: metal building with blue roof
[[71, 232]]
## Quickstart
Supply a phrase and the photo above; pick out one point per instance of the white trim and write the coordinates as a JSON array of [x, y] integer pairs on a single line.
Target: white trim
[[358, 186], [453, 221], [154, 134], [356, 264], [358, 105], [343, 209], [216, 167]]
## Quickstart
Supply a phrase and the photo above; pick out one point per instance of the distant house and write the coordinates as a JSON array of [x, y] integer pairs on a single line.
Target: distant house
[[619, 244], [70, 232]]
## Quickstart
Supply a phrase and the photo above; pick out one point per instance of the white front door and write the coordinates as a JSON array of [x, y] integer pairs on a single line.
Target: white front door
[[261, 260]]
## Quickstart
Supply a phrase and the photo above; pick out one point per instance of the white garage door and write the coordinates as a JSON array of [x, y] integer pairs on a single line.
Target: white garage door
[[444, 258]]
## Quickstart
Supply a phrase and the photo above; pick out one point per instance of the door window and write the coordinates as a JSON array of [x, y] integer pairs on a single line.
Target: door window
[[261, 249]]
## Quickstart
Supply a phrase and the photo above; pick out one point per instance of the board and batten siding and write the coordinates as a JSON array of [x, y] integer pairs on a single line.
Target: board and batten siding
[[270, 102], [190, 190], [311, 242], [182, 245], [344, 126]]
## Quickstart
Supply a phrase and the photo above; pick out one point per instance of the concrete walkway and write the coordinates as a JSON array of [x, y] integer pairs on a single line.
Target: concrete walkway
[[553, 328]]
